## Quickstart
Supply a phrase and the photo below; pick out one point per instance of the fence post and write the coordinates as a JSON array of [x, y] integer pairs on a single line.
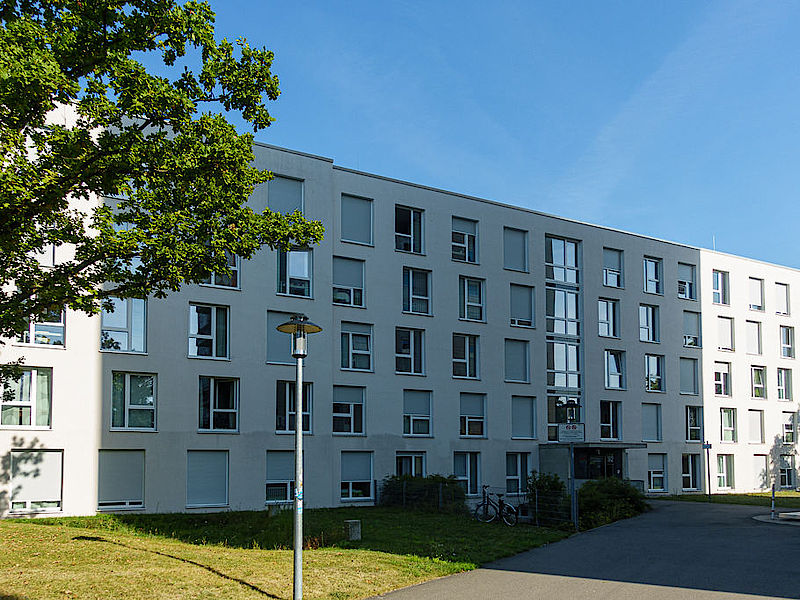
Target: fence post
[[536, 505], [441, 496], [772, 507]]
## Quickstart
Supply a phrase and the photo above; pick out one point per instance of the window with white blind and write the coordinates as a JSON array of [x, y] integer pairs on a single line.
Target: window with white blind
[[722, 378], [120, 479], [753, 329], [285, 195], [348, 281], [464, 240], [356, 346], [356, 482], [417, 413], [756, 293], [755, 426], [515, 249], [720, 293], [782, 299], [124, 328], [686, 281], [691, 329], [612, 268], [523, 417], [348, 410], [280, 477], [206, 478], [27, 401], [651, 422], [724, 333], [761, 475], [356, 219], [522, 302], [36, 480], [472, 415], [517, 361], [656, 472], [279, 344], [689, 376]]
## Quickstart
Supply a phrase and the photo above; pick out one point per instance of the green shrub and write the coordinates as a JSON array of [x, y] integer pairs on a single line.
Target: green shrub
[[545, 483], [607, 500], [432, 493], [548, 500]]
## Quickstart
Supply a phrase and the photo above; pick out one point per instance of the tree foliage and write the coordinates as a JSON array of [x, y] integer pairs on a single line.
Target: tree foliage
[[81, 116]]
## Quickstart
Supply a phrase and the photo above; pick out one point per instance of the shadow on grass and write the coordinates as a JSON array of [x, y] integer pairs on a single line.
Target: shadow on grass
[[12, 597], [92, 538]]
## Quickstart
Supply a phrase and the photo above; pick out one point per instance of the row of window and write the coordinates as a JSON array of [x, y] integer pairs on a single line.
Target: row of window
[[755, 290], [726, 337], [723, 385]]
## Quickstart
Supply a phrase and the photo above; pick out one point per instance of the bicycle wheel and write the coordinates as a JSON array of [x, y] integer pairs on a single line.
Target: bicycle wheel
[[510, 515], [485, 512]]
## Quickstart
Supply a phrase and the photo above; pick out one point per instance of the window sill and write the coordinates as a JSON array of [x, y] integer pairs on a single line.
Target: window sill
[[216, 358], [726, 349], [217, 431], [523, 438], [653, 293], [191, 506], [696, 346], [356, 370], [418, 314], [721, 303], [687, 298], [516, 270], [609, 337], [357, 243], [286, 364], [657, 491], [782, 314], [418, 435], [286, 503], [465, 262], [285, 295], [653, 441], [516, 381], [50, 346], [345, 305], [221, 287], [291, 432], [113, 509], [522, 326], [689, 393], [463, 378], [132, 430], [656, 391], [693, 441], [465, 320], [472, 437], [124, 352], [347, 434], [616, 439], [411, 374], [409, 252], [348, 500], [649, 341], [25, 428], [614, 287], [616, 389]]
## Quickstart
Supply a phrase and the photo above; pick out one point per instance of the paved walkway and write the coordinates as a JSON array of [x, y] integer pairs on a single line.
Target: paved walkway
[[678, 550]]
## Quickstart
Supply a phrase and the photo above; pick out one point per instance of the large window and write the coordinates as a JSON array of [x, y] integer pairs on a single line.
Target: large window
[[48, 330], [517, 361], [758, 382], [722, 378], [466, 468], [295, 273], [615, 369], [208, 331], [133, 401], [654, 373], [286, 406], [648, 323], [280, 476], [416, 413], [348, 409], [694, 423], [755, 426], [515, 249], [782, 299], [465, 240], [465, 355], [608, 317], [720, 293], [472, 415], [562, 312], [653, 276], [228, 280], [285, 195], [123, 329], [784, 384], [356, 220], [756, 293], [470, 299], [561, 260], [522, 313], [36, 480], [610, 416], [409, 351], [523, 417], [516, 472], [724, 471], [356, 476], [206, 478], [656, 472], [416, 291], [691, 329], [725, 333], [686, 281], [689, 376], [613, 268], [356, 347], [727, 417], [219, 404], [753, 337], [408, 229], [690, 476], [563, 365], [120, 479], [651, 422], [787, 341], [30, 399], [348, 281]]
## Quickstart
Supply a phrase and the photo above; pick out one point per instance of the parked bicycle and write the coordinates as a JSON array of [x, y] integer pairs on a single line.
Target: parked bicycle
[[493, 505]]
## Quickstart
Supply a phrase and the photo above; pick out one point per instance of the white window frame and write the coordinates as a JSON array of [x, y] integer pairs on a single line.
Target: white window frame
[[615, 369], [654, 476], [610, 423], [466, 422], [692, 477], [409, 298], [755, 387], [293, 282], [730, 326], [654, 382], [614, 277], [563, 322], [786, 471], [558, 268], [286, 484], [570, 352], [471, 358], [416, 462], [416, 351], [350, 352], [782, 290], [472, 477], [691, 340], [214, 337], [411, 419], [720, 287], [234, 280], [462, 241], [561, 408], [653, 281], [38, 332], [686, 288], [649, 323], [722, 379], [787, 341], [414, 240], [286, 388], [464, 304], [213, 410], [349, 413], [518, 479], [725, 473], [128, 329], [31, 374], [788, 429], [760, 283], [346, 486], [128, 407], [784, 387], [607, 317], [758, 350], [694, 432], [750, 432], [344, 295], [728, 425]]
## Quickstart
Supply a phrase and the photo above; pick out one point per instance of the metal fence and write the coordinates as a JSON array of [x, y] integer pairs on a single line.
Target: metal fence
[[550, 509]]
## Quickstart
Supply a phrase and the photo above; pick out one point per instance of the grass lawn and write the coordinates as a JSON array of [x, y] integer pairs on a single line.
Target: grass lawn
[[244, 554], [783, 499]]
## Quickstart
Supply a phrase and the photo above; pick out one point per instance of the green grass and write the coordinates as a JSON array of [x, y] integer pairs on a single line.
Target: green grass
[[244, 554], [783, 499]]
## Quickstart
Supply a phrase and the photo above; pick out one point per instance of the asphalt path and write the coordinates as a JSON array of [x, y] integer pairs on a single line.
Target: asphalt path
[[677, 550]]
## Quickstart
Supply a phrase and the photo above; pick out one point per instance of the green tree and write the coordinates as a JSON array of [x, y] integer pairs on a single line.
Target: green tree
[[181, 171]]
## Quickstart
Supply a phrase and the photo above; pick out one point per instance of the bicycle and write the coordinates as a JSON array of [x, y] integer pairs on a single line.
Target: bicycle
[[489, 508]]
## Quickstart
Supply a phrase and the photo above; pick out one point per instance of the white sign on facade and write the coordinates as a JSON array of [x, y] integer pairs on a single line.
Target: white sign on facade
[[571, 432]]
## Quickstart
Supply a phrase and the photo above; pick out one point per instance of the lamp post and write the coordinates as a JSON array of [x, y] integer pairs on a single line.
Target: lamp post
[[299, 327]]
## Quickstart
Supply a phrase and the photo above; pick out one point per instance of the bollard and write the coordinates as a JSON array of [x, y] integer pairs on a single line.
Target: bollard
[[352, 529], [772, 509]]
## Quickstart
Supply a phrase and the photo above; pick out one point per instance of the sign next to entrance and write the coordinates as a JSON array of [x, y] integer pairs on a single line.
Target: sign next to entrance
[[571, 432]]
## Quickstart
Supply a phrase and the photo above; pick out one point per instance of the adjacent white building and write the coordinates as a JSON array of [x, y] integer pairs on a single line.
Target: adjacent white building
[[457, 334]]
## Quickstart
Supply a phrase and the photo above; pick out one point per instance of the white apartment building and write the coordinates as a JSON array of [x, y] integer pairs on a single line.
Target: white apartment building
[[457, 334]]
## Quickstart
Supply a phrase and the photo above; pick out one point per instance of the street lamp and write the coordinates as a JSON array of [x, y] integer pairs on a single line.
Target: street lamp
[[299, 326]]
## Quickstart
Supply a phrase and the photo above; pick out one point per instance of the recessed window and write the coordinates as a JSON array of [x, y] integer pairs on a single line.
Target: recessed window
[[610, 420], [123, 329], [561, 409], [649, 323], [280, 476], [46, 330], [517, 361], [356, 220], [133, 401], [294, 273], [516, 472], [409, 351], [515, 249], [689, 376], [411, 464], [465, 240], [724, 471], [416, 291], [416, 413], [653, 276], [279, 344], [36, 480], [784, 384], [615, 369], [786, 470], [753, 329], [286, 406], [561, 260], [563, 365], [755, 429], [285, 195], [756, 293], [356, 480], [208, 331], [408, 229], [694, 423], [523, 417], [348, 409], [465, 355], [787, 341], [686, 282], [224, 279], [522, 314], [219, 404], [691, 329], [466, 468], [348, 281], [788, 427], [727, 418], [782, 299], [472, 415], [608, 317], [562, 312], [725, 333], [470, 299], [690, 476], [613, 268], [27, 401], [758, 381], [651, 422], [656, 472], [356, 347], [206, 478], [720, 288], [722, 378], [120, 479], [654, 373]]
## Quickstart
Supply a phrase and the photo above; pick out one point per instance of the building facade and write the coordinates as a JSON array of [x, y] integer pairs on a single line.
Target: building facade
[[458, 333]]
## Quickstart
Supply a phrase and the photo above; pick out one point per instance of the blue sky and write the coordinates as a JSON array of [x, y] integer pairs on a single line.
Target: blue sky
[[678, 119]]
